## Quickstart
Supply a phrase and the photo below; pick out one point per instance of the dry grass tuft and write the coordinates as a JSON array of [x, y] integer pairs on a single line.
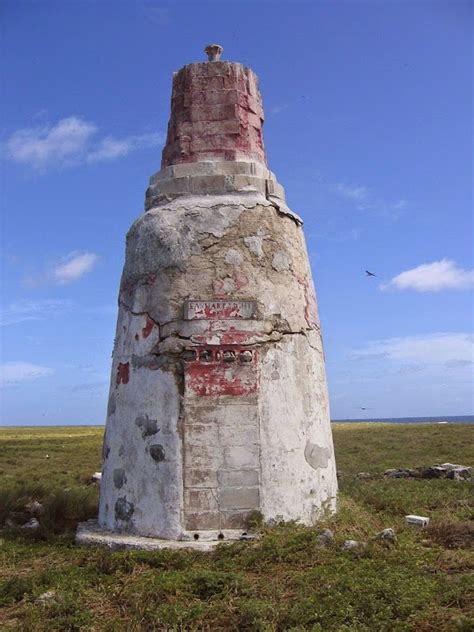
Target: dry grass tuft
[[452, 535]]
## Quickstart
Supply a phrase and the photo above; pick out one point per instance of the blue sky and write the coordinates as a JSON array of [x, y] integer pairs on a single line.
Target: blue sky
[[368, 126]]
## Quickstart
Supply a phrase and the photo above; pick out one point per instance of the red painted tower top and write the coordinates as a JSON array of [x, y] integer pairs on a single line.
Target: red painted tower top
[[216, 113]]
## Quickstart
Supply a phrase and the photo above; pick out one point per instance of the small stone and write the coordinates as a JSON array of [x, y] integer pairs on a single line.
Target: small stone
[[34, 508], [123, 509], [351, 545], [387, 535], [120, 478], [148, 426], [255, 244], [324, 538], [47, 456], [248, 537], [459, 473], [157, 452], [363, 476], [397, 473], [453, 471], [435, 471], [246, 356], [417, 521], [233, 257], [172, 344], [281, 261], [49, 595], [31, 524], [96, 477]]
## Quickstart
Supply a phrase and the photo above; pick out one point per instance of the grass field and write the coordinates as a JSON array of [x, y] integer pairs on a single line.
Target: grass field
[[284, 581]]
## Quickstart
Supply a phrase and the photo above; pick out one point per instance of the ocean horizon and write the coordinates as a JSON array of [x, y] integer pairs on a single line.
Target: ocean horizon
[[442, 419]]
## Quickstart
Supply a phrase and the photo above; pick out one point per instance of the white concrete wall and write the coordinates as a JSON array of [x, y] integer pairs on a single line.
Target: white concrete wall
[[141, 486], [298, 471]]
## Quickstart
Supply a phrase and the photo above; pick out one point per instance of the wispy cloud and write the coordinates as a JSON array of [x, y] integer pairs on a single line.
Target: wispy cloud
[[40, 146], [12, 373], [358, 193], [75, 266], [90, 387], [110, 148], [430, 350], [70, 141], [365, 199], [68, 269], [432, 277], [159, 15], [276, 109], [26, 310]]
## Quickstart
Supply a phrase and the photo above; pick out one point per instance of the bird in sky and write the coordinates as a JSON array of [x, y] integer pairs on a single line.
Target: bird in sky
[[370, 273]]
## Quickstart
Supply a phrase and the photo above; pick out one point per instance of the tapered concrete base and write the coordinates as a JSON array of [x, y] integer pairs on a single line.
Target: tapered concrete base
[[90, 534]]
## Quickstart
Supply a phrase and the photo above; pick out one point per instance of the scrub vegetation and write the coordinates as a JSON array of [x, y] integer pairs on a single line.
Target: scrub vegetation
[[286, 580]]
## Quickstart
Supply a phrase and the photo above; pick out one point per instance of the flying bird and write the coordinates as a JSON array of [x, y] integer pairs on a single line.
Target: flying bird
[[370, 273]]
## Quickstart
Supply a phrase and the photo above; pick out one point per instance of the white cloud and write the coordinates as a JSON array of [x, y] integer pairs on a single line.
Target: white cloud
[[110, 148], [429, 350], [39, 147], [70, 142], [74, 267], [26, 310], [88, 387], [16, 372], [357, 193], [432, 277], [365, 199], [279, 108], [159, 15]]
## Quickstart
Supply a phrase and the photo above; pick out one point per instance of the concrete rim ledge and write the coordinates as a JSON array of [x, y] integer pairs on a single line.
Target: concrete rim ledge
[[90, 534]]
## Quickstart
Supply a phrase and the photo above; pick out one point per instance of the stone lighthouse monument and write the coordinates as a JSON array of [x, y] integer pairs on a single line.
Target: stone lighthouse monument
[[218, 402]]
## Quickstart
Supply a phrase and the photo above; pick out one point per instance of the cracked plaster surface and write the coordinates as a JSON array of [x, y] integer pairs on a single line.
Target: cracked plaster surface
[[232, 252]]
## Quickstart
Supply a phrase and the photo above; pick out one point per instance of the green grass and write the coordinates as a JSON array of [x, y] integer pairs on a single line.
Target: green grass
[[282, 582]]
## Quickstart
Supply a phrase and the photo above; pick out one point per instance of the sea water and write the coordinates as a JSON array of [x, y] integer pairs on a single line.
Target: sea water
[[460, 419]]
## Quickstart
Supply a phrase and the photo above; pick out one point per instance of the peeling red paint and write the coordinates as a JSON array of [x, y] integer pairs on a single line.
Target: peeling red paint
[[225, 312], [148, 328], [228, 285], [123, 373], [231, 336], [216, 112], [218, 377], [220, 310], [237, 337], [240, 280]]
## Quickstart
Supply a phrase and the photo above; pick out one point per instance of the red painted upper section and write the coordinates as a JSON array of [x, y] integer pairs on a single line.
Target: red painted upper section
[[213, 376], [216, 114]]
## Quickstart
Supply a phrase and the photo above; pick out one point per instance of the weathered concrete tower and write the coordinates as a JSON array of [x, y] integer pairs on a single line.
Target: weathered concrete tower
[[218, 403]]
